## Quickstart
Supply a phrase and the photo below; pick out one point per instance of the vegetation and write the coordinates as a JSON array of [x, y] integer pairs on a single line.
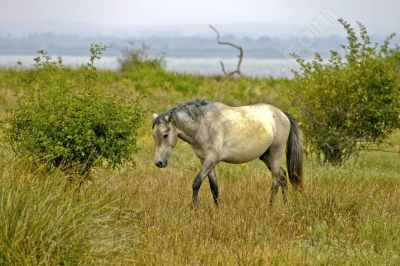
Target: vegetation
[[350, 214], [46, 219], [73, 129], [350, 101], [137, 56]]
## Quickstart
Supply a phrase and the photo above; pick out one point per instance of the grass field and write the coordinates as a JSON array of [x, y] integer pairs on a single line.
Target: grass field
[[139, 214], [349, 215]]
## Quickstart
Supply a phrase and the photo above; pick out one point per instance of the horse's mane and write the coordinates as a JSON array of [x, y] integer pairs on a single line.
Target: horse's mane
[[191, 108]]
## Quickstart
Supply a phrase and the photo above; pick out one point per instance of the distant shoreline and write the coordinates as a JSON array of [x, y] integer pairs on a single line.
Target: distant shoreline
[[262, 67]]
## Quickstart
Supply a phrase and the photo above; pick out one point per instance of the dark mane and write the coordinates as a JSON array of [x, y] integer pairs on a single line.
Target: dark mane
[[192, 108]]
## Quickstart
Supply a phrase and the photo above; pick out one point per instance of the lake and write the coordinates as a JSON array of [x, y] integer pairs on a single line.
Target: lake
[[261, 67]]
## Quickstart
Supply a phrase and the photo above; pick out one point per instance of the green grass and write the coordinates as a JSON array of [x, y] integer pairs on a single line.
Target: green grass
[[139, 214]]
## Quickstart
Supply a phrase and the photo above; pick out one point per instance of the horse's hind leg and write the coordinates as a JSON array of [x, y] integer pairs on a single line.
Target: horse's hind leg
[[213, 186], [283, 183], [272, 158], [278, 180]]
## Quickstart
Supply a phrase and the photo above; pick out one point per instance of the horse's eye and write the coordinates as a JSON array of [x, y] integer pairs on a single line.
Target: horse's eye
[[165, 135]]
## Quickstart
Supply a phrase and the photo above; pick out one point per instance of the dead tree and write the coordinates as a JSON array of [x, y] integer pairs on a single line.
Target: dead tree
[[240, 56]]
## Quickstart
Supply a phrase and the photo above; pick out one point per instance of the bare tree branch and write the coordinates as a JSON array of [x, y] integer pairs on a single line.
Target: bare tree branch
[[240, 56]]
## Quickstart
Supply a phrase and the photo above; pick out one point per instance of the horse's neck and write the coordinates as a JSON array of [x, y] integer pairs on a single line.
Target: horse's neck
[[186, 127]]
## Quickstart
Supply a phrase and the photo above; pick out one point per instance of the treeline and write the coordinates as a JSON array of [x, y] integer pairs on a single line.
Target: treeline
[[263, 47]]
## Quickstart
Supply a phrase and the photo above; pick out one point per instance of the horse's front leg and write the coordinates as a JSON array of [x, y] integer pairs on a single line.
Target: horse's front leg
[[205, 170]]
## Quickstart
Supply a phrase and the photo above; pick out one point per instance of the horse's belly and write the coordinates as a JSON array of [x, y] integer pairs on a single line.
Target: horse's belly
[[245, 151]]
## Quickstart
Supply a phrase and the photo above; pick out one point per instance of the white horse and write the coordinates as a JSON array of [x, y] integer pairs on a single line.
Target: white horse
[[217, 132]]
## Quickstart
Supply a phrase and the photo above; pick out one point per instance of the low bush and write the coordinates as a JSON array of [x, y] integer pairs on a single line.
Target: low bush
[[136, 56], [74, 129]]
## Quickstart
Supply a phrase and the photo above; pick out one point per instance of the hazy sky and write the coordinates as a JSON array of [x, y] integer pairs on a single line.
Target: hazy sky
[[380, 14]]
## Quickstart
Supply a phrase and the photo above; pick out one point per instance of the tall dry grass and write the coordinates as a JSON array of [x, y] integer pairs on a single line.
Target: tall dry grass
[[47, 219]]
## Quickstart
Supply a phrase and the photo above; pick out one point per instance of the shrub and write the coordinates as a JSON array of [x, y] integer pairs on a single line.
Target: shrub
[[394, 56], [351, 100], [135, 56], [74, 129]]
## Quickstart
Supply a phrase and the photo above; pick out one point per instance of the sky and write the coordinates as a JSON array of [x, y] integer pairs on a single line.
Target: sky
[[376, 15]]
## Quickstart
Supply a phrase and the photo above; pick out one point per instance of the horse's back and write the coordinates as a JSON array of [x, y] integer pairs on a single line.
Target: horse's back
[[250, 130], [257, 116]]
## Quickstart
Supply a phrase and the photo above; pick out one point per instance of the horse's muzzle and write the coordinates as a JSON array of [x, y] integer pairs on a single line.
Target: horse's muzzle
[[161, 164]]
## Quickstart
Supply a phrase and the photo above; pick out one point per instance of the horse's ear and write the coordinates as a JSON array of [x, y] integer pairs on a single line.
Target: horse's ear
[[168, 118], [154, 116]]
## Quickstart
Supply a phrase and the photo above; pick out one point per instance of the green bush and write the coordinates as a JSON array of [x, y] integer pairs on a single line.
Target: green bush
[[137, 56], [351, 100], [74, 129], [394, 56]]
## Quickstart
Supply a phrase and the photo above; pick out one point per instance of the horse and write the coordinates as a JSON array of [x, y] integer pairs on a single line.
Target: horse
[[221, 133]]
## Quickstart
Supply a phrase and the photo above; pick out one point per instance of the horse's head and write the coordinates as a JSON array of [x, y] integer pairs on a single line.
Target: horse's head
[[165, 137]]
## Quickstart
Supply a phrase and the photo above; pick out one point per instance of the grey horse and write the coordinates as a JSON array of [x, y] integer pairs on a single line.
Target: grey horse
[[217, 132]]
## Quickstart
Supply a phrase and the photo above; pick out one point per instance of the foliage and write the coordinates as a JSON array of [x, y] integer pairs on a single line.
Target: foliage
[[349, 101], [394, 56], [136, 56], [71, 128], [46, 219]]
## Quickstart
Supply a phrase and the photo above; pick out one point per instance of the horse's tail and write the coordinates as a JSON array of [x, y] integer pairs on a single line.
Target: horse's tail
[[294, 155]]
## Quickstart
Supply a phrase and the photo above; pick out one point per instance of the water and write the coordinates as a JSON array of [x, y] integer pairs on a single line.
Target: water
[[200, 66]]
